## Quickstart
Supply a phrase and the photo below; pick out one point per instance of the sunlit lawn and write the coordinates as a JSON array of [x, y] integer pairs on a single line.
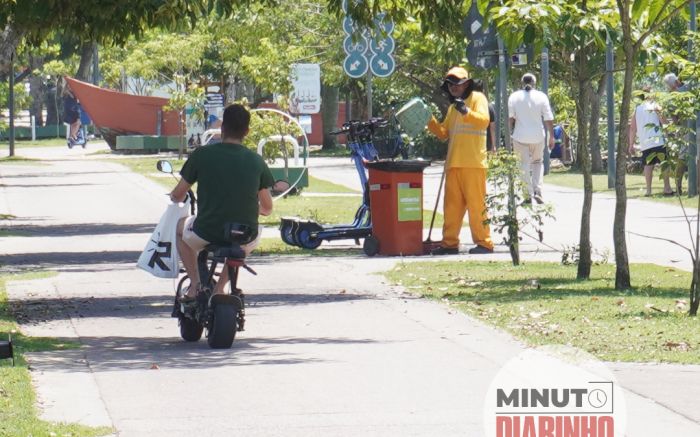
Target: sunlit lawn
[[544, 303], [636, 187]]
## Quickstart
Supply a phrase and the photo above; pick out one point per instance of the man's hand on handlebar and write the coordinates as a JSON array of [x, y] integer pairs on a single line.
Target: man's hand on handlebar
[[179, 193]]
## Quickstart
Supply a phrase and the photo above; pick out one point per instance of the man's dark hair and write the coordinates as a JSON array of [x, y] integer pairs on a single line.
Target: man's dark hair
[[236, 121]]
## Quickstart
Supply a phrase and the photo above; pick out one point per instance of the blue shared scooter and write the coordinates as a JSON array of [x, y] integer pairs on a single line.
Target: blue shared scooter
[[309, 234]]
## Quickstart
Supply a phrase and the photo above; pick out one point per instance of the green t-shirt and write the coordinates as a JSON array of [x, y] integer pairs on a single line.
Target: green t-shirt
[[228, 178]]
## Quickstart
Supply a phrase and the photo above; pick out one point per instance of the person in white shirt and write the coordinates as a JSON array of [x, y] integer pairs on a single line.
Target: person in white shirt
[[646, 125], [527, 109]]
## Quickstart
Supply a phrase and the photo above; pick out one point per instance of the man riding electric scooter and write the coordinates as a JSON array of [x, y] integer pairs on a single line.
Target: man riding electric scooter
[[233, 186]]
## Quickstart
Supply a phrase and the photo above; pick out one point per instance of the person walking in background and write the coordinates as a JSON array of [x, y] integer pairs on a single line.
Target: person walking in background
[[71, 115], [527, 109], [673, 84], [561, 143], [464, 126], [646, 125]]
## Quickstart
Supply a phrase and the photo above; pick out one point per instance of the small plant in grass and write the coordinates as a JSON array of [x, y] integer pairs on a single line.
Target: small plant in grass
[[502, 201], [570, 255]]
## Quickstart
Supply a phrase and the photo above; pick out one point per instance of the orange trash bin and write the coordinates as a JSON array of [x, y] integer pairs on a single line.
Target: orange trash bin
[[396, 207]]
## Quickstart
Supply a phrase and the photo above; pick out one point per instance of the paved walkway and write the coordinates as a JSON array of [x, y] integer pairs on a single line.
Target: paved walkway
[[330, 350]]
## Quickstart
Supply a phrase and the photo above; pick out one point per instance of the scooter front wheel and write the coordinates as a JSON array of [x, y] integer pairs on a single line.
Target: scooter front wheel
[[190, 330], [286, 233]]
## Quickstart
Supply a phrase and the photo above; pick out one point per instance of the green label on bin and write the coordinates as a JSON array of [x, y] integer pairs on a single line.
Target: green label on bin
[[410, 208]]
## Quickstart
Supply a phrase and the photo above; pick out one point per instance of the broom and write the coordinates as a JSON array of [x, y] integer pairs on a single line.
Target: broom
[[429, 244]]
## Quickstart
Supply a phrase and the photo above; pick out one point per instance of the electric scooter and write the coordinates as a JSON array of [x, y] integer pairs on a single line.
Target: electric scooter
[[309, 234], [80, 140]]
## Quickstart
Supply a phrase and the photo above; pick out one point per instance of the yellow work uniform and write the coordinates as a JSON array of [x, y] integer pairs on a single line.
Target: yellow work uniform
[[465, 170]]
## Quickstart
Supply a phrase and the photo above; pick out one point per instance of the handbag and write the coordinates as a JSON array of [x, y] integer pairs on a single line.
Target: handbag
[[160, 257]]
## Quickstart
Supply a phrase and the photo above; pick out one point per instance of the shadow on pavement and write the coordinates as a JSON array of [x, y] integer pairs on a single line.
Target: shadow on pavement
[[42, 310], [134, 353], [55, 175], [63, 260], [46, 185], [84, 229]]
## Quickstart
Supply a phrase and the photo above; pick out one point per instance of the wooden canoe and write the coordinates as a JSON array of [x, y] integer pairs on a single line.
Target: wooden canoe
[[116, 113]]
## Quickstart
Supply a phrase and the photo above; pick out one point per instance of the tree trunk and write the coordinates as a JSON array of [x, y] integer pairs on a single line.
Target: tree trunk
[[359, 101], [695, 290], [9, 40], [594, 127], [37, 90], [329, 114], [52, 102], [622, 270], [584, 158], [86, 51]]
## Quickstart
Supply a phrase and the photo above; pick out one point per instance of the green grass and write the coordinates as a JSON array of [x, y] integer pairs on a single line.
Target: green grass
[[20, 160], [7, 232], [635, 184], [146, 166], [339, 150], [18, 412], [45, 142], [323, 209], [321, 186], [543, 303], [100, 152]]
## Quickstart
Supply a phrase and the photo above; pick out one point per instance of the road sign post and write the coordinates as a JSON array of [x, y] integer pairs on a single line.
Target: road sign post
[[482, 49], [369, 49]]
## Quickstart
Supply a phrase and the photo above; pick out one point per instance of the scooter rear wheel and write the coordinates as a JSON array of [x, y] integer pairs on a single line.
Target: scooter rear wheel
[[223, 327], [371, 245], [190, 330], [306, 240]]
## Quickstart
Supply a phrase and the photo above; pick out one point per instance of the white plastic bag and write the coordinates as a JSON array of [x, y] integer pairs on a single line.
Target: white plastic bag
[[160, 257]]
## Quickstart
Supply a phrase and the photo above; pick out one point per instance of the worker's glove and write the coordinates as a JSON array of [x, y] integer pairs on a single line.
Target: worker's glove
[[460, 106]]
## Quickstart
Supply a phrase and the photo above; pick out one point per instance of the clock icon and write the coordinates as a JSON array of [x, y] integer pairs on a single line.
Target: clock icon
[[597, 398]]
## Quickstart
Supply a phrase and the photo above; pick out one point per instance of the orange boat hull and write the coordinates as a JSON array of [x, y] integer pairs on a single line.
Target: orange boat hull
[[124, 114]]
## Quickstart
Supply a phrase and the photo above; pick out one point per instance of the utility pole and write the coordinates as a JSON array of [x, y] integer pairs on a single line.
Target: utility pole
[[369, 94], [545, 89], [693, 146], [11, 100]]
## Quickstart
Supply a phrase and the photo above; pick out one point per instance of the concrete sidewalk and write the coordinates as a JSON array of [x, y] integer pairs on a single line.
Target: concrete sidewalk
[[329, 350]]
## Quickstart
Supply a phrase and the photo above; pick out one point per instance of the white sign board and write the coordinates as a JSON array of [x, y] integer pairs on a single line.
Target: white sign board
[[306, 94]]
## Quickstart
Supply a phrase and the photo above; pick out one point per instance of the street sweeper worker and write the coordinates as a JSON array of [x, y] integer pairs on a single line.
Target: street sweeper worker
[[464, 126]]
